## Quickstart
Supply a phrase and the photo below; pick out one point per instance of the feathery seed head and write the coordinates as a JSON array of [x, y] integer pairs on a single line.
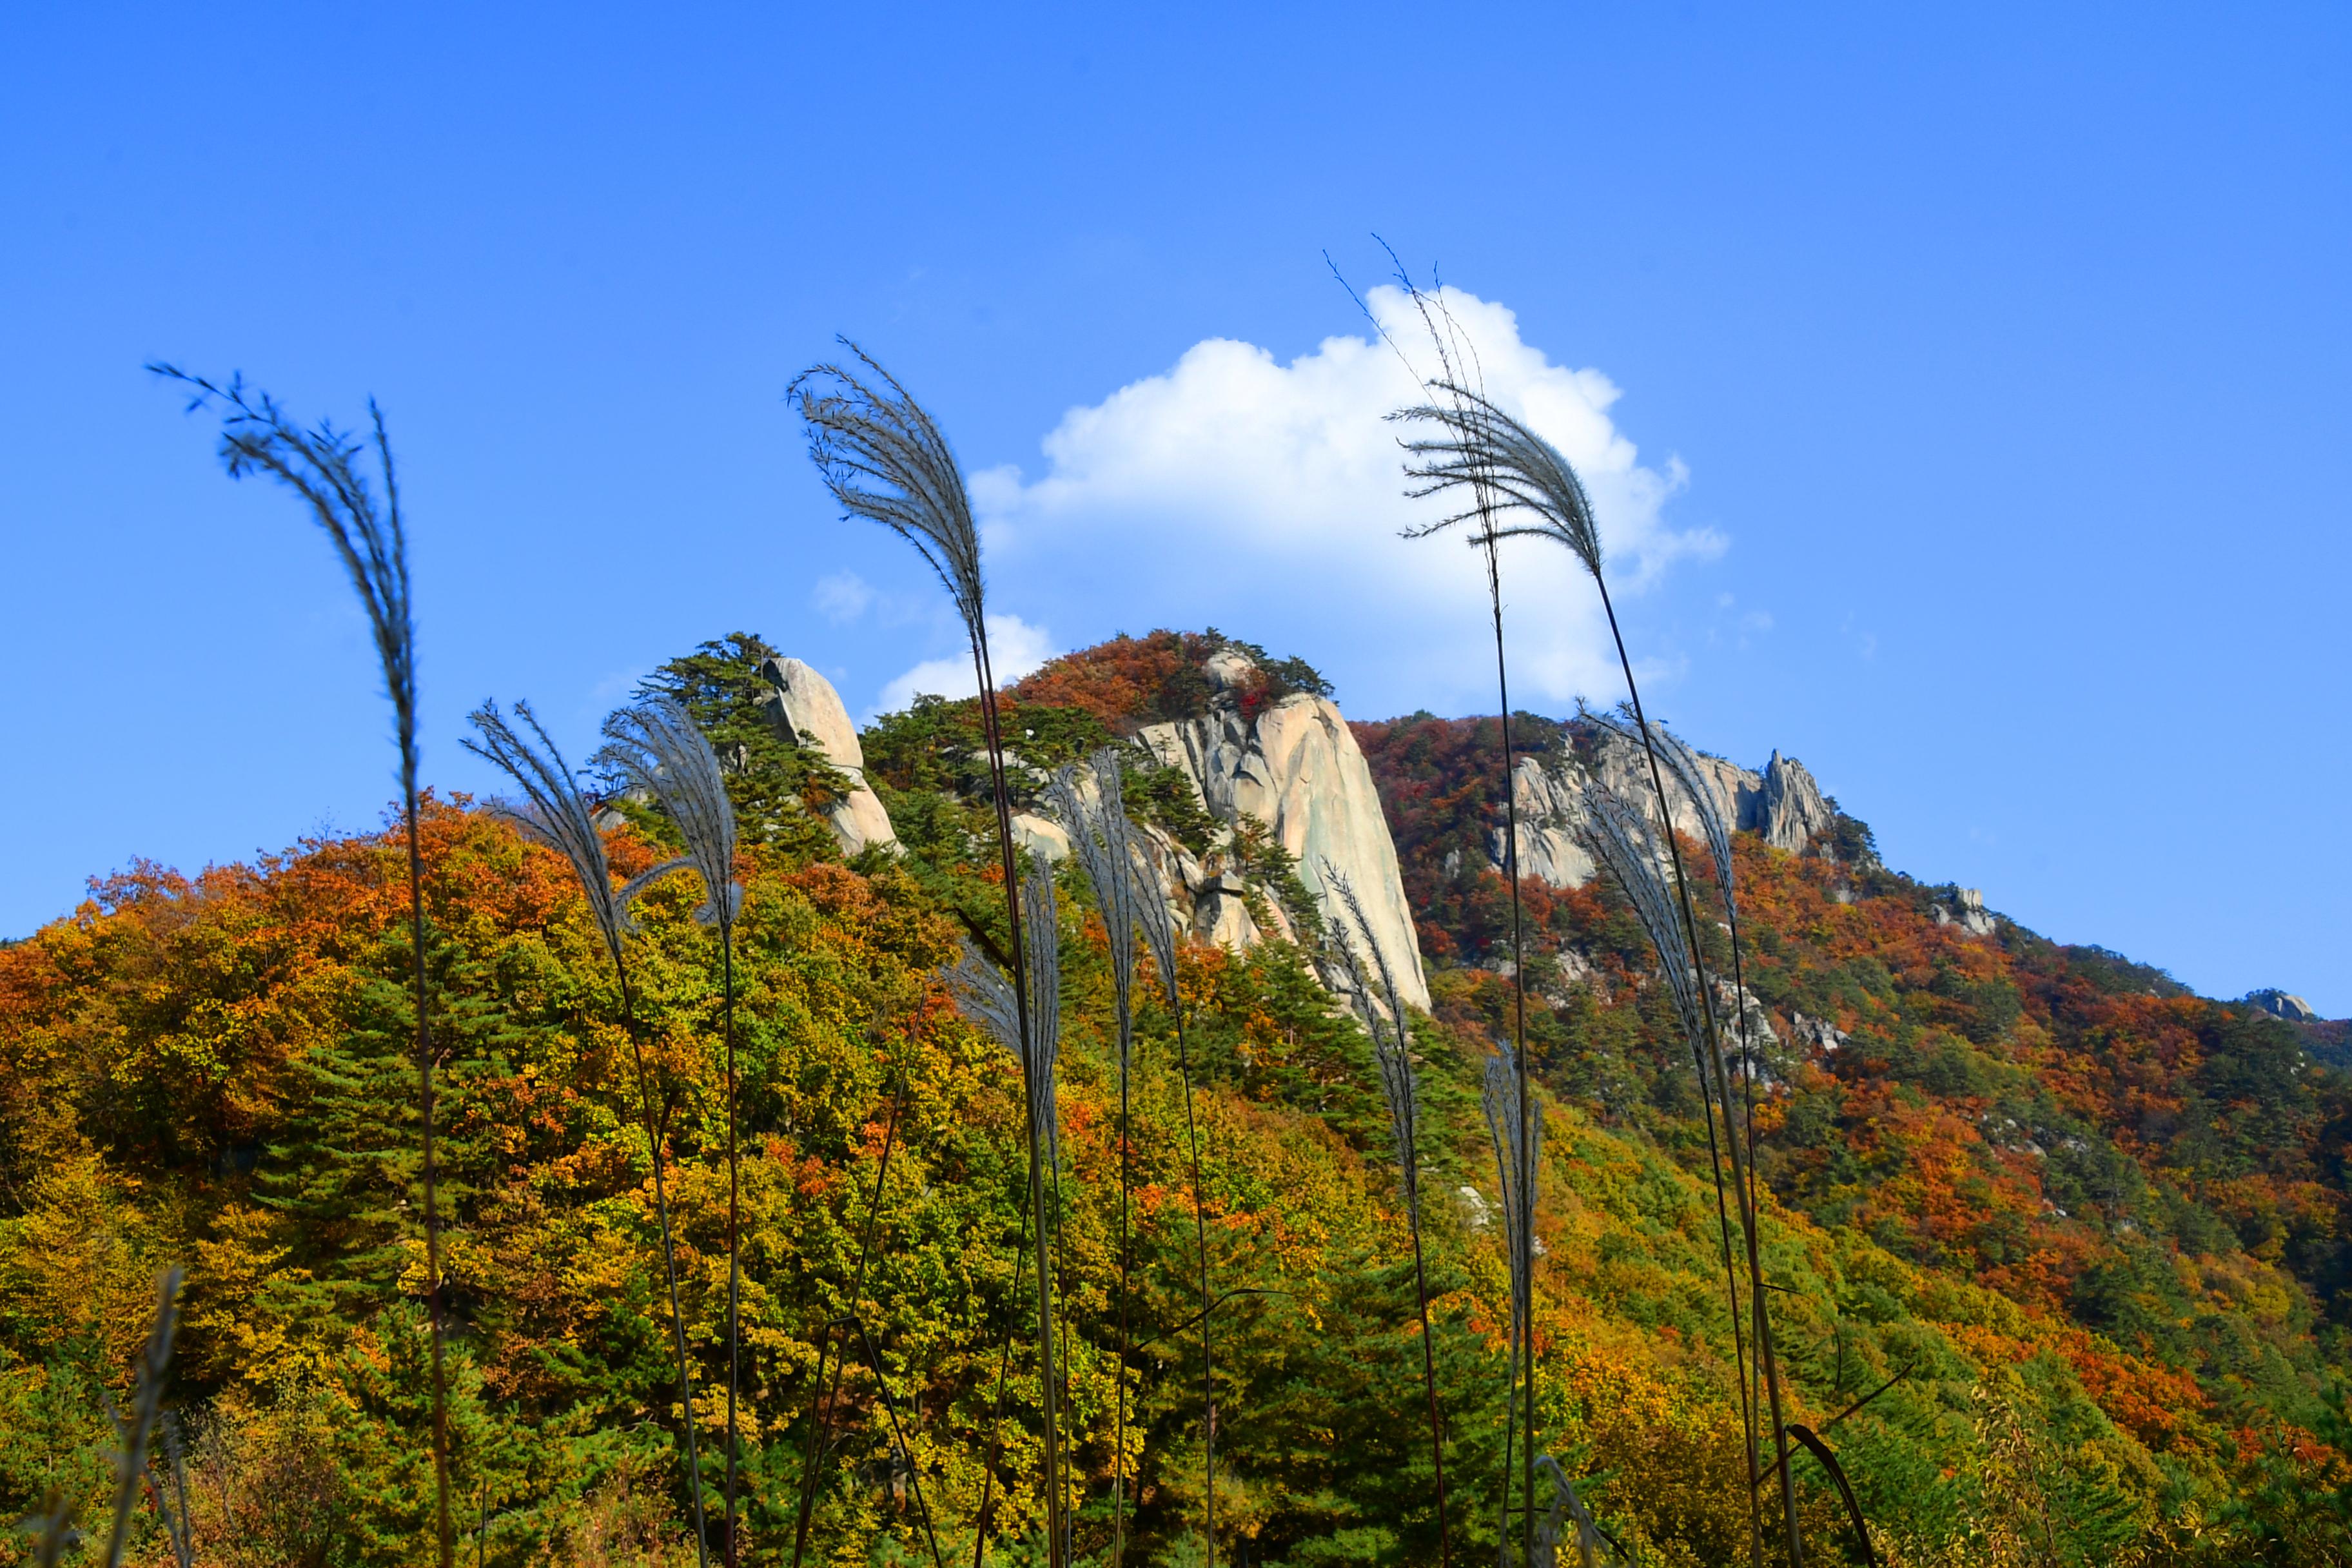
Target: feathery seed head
[[552, 810], [1391, 1039], [655, 745], [1508, 468], [1622, 841], [1104, 840], [1516, 1129], [884, 459], [326, 467], [982, 993], [1689, 772]]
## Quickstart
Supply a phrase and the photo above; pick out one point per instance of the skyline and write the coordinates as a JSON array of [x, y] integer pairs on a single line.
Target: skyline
[[1983, 462]]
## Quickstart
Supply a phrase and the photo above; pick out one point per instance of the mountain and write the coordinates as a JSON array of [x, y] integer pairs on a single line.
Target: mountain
[[2062, 1251]]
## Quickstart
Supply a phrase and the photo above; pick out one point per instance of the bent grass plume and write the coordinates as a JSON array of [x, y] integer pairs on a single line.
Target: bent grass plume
[[1699, 786], [1159, 928], [1459, 366], [326, 467], [554, 813], [1516, 1124], [1392, 1053], [1622, 841], [983, 994], [655, 746], [884, 459], [1511, 469], [1103, 840]]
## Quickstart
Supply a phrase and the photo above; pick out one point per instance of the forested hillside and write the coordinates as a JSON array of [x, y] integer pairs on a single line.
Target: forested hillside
[[2078, 1243]]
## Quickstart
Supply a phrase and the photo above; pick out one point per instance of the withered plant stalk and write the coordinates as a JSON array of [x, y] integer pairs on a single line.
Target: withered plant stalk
[[884, 459], [554, 812], [324, 467]]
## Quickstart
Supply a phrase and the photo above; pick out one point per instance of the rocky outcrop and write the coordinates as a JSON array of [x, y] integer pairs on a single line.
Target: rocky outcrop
[[1967, 910], [1294, 767], [805, 708], [2284, 1004], [1782, 804], [1791, 812]]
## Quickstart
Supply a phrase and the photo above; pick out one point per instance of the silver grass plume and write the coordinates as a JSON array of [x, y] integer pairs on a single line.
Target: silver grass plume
[[327, 469], [1103, 840], [1159, 929], [1149, 915], [1508, 468], [1391, 1045], [1105, 844], [1517, 1160], [1622, 840], [655, 745], [1698, 783], [1690, 772], [985, 996], [884, 459], [554, 812], [1042, 939], [1393, 1051], [1482, 448], [1468, 464], [1517, 1128]]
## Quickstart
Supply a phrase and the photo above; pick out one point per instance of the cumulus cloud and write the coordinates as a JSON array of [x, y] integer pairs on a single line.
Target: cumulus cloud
[[1267, 498], [842, 596], [1014, 648]]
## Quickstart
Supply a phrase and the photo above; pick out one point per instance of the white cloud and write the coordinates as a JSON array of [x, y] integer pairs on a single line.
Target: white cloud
[[1014, 648], [1267, 498], [842, 596]]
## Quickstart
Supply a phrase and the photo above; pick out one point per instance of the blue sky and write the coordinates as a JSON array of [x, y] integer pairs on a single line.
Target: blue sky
[[1971, 381]]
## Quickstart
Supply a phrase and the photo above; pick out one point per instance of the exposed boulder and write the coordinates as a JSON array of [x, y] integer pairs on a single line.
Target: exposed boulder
[[1041, 837], [805, 708], [1782, 804], [1792, 813], [2284, 1004], [1550, 816], [1966, 910], [1294, 766]]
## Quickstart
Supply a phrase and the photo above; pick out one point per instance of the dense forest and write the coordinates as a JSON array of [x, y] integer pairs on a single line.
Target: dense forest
[[2060, 1252]]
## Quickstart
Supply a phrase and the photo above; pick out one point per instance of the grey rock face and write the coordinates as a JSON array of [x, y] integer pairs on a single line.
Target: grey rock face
[[1792, 812], [1966, 910], [806, 710], [2284, 1004], [1297, 769], [1782, 804]]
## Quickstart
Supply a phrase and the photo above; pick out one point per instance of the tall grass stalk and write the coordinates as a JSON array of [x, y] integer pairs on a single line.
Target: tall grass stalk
[[1517, 1128], [1699, 786], [1159, 929], [1392, 1053], [1623, 842], [327, 469], [1459, 368], [1479, 445], [1103, 841], [986, 996], [884, 459], [554, 812], [655, 746]]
